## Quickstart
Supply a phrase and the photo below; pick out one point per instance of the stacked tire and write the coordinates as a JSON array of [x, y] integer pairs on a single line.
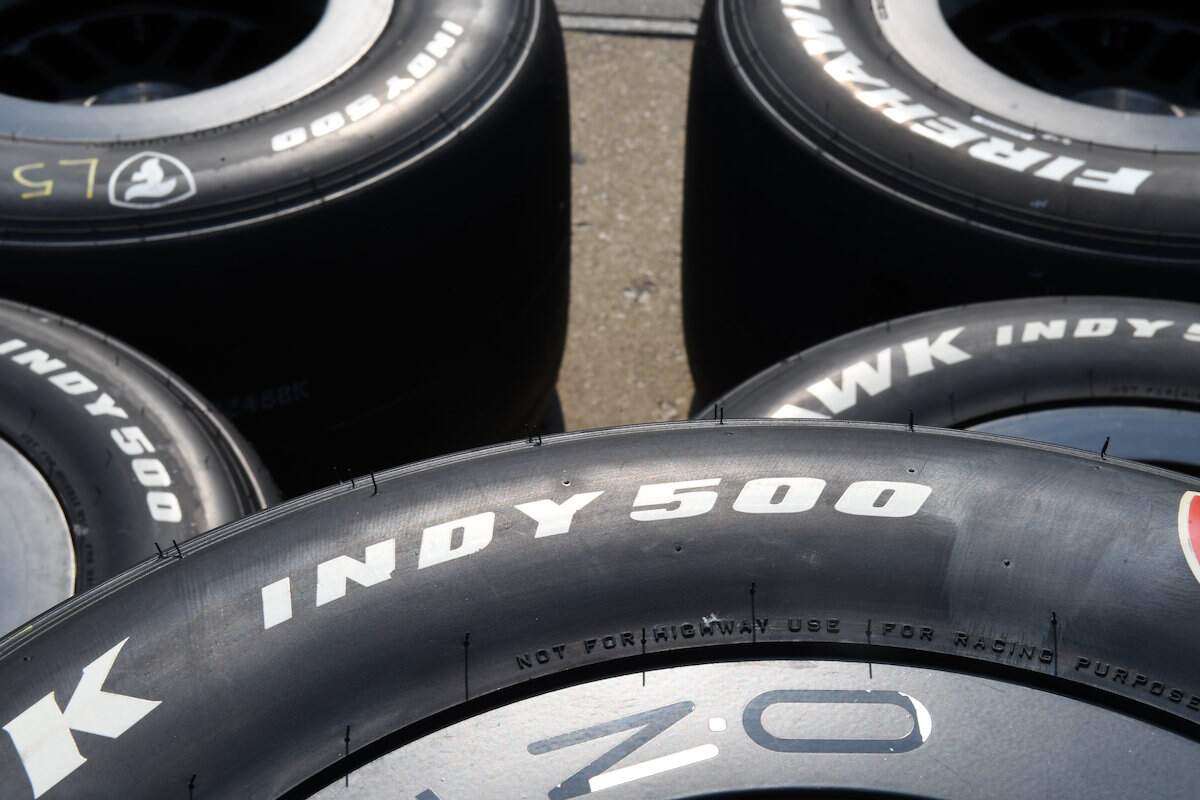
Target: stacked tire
[[821, 602], [910, 603], [358, 250], [852, 162], [105, 460], [1092, 373]]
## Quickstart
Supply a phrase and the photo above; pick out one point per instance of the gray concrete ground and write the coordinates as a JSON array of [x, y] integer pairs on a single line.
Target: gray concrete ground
[[625, 360]]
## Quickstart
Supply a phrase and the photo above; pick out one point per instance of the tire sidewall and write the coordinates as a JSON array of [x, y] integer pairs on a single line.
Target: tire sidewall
[[132, 462], [826, 116], [409, 643], [994, 359], [240, 173]]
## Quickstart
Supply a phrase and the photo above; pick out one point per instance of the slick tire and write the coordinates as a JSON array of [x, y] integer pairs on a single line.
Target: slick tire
[[358, 249], [1086, 372], [361, 617], [103, 455], [851, 162], [782, 728]]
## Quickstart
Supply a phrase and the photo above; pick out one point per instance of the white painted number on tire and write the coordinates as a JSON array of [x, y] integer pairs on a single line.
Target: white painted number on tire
[[416, 70], [654, 502], [151, 473], [682, 499]]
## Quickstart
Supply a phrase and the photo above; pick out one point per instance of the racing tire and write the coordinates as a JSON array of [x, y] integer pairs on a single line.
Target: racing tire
[[1085, 372], [313, 637], [358, 248], [103, 455], [782, 728], [851, 162]]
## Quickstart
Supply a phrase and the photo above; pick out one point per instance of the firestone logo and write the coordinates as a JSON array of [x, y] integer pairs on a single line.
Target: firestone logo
[[150, 180]]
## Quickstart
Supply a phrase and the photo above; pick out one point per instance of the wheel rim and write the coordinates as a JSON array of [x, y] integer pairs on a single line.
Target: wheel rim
[[147, 69], [1109, 55], [1165, 437], [141, 51], [38, 567], [920, 31], [748, 730]]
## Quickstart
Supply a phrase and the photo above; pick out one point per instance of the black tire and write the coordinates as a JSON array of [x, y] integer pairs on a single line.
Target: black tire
[[438, 223], [1018, 560], [1074, 371], [784, 729], [809, 213], [130, 456]]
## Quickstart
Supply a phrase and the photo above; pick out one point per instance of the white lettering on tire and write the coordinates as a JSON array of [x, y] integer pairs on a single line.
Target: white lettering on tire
[[377, 566], [926, 354], [164, 507], [873, 380], [150, 473], [684, 497], [670, 501], [760, 496], [42, 734], [554, 518], [437, 541], [819, 39], [1095, 327], [883, 499], [1054, 329], [919, 354], [417, 69]]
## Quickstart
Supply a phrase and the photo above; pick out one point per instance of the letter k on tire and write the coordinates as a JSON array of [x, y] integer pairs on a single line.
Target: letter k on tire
[[42, 733]]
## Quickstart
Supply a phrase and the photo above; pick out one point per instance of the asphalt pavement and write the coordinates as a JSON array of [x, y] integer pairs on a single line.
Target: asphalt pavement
[[625, 359]]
